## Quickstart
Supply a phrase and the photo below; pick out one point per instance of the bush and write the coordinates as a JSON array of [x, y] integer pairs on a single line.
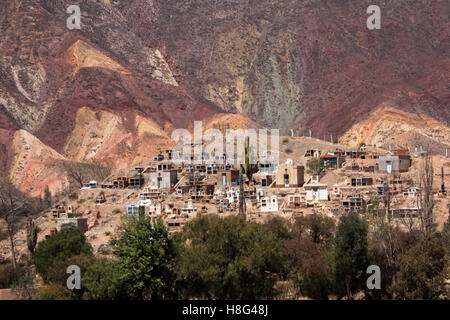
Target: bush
[[422, 271], [3, 235], [229, 258], [68, 242], [57, 273], [116, 211], [76, 215], [73, 196], [147, 258], [7, 274], [24, 286], [310, 252], [53, 292], [104, 249], [351, 256], [103, 281], [315, 166]]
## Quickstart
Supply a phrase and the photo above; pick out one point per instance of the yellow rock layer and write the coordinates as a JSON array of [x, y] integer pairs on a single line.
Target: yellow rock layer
[[35, 165], [82, 55], [234, 121], [119, 142], [389, 125]]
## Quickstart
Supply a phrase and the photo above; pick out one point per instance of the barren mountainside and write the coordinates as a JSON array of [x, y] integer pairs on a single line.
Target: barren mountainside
[[308, 64], [115, 89]]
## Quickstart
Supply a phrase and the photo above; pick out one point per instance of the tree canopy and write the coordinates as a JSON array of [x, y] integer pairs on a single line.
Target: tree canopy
[[422, 270], [67, 243], [146, 258], [229, 258], [351, 256]]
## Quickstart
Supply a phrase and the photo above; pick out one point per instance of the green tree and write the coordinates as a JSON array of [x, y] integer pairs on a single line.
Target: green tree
[[68, 242], [386, 244], [57, 274], [351, 255], [278, 227], [422, 270], [314, 166], [103, 281], [310, 255], [229, 258], [321, 228], [147, 257]]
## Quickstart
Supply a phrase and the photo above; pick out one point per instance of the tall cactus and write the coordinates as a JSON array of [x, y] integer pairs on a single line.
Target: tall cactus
[[248, 168], [32, 232]]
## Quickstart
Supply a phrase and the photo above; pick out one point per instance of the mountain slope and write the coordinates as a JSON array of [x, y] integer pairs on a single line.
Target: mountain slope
[[114, 90], [310, 64], [52, 76], [389, 126]]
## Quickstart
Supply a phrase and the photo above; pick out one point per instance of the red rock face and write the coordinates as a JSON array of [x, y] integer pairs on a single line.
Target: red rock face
[[7, 129], [50, 72], [101, 89], [311, 64]]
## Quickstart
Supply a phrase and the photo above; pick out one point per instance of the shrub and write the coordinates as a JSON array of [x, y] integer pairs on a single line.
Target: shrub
[[351, 256], [53, 292], [7, 274], [103, 281], [147, 258], [104, 249], [229, 258], [315, 166], [73, 196], [68, 242], [422, 271], [24, 286], [310, 253]]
